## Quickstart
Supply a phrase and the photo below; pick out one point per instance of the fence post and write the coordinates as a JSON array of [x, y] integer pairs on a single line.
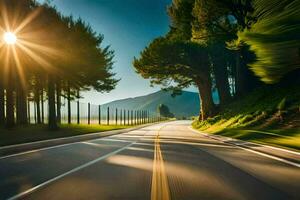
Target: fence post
[[131, 118], [69, 112], [124, 117], [34, 111], [28, 110], [142, 120], [42, 105], [116, 116], [89, 113], [134, 117], [128, 114], [99, 113], [121, 117], [141, 117], [107, 115], [78, 112]]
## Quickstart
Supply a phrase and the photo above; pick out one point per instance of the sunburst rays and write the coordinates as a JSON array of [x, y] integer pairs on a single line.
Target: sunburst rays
[[27, 45]]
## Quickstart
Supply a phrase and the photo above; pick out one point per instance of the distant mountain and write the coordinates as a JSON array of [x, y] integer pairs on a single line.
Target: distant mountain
[[184, 105]]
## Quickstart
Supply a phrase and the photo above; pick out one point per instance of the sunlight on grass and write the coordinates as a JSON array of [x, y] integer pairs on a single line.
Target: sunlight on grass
[[33, 133]]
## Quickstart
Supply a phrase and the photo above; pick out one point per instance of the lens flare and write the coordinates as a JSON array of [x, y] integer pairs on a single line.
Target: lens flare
[[10, 38]]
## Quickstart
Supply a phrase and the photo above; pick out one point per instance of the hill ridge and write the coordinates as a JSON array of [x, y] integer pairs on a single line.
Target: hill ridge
[[184, 105]]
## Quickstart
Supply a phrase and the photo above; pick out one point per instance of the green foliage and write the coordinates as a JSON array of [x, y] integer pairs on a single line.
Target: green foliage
[[32, 133], [55, 53], [164, 111], [275, 38], [181, 16], [258, 108], [184, 64]]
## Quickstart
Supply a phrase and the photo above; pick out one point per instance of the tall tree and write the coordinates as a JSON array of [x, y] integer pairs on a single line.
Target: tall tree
[[217, 23], [189, 23], [187, 64], [2, 99]]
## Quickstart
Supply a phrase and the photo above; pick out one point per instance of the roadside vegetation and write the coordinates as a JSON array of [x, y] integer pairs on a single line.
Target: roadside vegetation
[[32, 133], [52, 56], [269, 115], [248, 52]]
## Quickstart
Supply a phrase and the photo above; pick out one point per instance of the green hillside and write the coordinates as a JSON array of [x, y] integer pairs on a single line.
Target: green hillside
[[270, 114], [184, 105]]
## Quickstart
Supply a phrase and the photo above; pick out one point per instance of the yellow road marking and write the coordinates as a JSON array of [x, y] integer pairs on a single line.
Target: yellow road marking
[[160, 186]]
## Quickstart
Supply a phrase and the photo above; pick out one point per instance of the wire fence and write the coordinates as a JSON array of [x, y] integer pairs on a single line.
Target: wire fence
[[76, 112]]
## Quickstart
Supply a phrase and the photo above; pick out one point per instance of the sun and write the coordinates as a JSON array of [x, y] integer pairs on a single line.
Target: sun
[[10, 38]]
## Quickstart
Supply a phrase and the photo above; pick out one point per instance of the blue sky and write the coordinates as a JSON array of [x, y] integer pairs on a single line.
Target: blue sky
[[128, 26]]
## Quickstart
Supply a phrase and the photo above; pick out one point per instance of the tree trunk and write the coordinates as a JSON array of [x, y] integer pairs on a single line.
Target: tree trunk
[[239, 83], [42, 106], [37, 100], [2, 104], [219, 61], [207, 108], [222, 83], [58, 100], [10, 103], [21, 102], [69, 103], [51, 101]]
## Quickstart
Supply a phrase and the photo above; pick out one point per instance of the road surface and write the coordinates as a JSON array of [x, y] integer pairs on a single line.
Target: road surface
[[160, 162]]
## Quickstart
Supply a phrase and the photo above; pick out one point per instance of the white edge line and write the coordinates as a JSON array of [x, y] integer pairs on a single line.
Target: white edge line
[[122, 131], [58, 139], [68, 172], [37, 150], [280, 149], [55, 146], [264, 145], [256, 152], [270, 156]]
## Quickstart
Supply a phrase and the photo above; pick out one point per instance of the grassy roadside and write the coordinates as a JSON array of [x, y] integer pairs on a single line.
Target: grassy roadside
[[33, 133], [289, 139], [270, 115]]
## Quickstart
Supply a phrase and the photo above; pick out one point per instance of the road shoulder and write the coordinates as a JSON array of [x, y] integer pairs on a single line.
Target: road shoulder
[[280, 154]]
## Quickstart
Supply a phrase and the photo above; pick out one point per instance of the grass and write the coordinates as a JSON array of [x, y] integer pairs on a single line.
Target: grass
[[270, 115], [282, 138], [32, 133]]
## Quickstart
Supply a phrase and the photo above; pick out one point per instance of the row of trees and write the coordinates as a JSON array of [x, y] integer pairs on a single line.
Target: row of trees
[[55, 56], [212, 43]]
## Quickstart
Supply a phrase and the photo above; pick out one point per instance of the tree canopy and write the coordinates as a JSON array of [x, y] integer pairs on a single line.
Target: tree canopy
[[55, 54], [164, 111], [214, 45], [275, 38]]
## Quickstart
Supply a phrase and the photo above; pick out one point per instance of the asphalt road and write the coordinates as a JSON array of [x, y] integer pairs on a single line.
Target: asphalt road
[[159, 162]]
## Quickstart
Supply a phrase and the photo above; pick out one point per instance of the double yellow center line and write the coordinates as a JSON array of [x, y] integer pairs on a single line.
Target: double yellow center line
[[160, 187]]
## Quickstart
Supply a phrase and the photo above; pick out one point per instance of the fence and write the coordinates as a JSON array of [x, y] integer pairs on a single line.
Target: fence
[[85, 113]]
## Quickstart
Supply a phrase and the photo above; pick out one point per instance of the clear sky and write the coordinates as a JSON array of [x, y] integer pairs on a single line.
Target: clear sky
[[128, 26]]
